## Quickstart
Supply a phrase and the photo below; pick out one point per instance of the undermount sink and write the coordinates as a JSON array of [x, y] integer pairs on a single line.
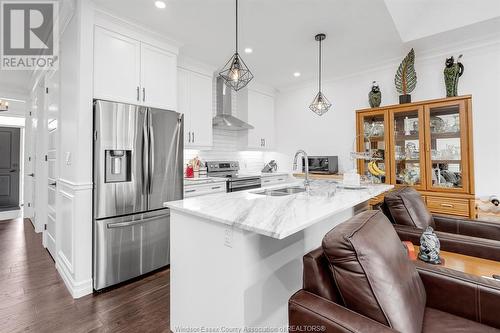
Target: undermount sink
[[279, 192]]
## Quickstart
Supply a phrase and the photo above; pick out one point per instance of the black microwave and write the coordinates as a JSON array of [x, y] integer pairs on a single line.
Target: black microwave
[[322, 164]]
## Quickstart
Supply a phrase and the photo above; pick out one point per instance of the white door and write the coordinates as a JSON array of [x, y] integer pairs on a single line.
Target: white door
[[183, 103], [116, 67], [29, 163], [158, 78], [201, 105], [51, 110]]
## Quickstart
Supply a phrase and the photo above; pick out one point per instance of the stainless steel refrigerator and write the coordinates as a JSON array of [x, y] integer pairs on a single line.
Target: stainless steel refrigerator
[[138, 161]]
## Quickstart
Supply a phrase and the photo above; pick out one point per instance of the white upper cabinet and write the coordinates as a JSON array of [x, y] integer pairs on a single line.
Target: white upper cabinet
[[158, 77], [201, 107], [129, 71], [260, 114], [195, 100], [116, 66], [183, 102]]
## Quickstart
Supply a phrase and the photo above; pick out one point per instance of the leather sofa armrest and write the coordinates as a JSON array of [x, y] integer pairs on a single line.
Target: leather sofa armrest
[[461, 294], [467, 227], [307, 311], [471, 246]]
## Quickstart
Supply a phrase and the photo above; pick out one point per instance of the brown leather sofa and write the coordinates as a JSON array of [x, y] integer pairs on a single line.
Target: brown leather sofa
[[361, 280], [406, 209]]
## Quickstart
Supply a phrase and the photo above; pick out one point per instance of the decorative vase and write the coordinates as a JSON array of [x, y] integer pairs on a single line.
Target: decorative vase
[[403, 99], [375, 96], [429, 247], [452, 72]]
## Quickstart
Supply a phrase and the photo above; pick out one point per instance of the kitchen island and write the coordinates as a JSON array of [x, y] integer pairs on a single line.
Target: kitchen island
[[236, 258]]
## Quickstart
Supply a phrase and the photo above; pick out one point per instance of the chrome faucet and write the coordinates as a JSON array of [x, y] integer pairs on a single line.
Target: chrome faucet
[[306, 166]]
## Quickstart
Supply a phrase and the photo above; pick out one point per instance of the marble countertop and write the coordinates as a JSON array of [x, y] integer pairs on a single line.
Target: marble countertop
[[203, 180], [276, 217]]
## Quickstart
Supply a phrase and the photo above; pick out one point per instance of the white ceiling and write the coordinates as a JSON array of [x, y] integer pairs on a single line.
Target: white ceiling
[[360, 33], [438, 16], [13, 81]]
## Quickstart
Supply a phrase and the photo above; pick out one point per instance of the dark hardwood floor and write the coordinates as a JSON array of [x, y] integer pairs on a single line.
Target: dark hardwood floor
[[33, 297]]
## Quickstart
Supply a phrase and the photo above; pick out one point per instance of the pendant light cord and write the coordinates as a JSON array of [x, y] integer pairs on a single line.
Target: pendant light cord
[[319, 64], [236, 26]]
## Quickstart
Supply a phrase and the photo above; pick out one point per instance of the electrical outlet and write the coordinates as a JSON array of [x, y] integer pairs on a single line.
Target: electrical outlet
[[228, 237]]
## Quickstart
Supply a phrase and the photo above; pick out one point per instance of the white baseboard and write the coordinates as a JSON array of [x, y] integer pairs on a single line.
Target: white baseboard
[[10, 214], [76, 289]]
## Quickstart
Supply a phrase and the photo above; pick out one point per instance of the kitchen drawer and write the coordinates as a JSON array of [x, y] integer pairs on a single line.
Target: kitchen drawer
[[273, 180], [449, 206], [196, 190]]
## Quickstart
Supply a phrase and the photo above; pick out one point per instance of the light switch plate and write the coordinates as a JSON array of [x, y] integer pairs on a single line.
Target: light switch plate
[[67, 158]]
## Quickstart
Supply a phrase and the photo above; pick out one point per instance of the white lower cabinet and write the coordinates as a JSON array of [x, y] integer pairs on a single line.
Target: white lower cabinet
[[195, 190], [274, 180], [195, 101]]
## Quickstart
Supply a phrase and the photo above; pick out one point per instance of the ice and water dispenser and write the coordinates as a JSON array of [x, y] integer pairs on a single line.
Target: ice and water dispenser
[[117, 166]]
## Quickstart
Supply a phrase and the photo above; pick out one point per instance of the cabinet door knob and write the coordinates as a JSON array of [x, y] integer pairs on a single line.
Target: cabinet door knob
[[193, 136], [189, 136], [138, 94], [143, 94]]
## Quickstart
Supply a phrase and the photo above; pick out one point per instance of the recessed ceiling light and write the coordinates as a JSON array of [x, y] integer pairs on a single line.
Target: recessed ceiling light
[[248, 50], [160, 4], [296, 74]]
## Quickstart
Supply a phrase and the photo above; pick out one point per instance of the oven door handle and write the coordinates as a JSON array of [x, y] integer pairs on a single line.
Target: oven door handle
[[244, 183]]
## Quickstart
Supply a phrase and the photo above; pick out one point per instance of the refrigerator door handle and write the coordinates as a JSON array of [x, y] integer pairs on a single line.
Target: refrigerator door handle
[[145, 148], [131, 223], [151, 161]]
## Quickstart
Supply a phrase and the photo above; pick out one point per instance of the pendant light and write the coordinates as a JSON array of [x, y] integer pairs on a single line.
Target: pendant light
[[320, 104], [235, 72]]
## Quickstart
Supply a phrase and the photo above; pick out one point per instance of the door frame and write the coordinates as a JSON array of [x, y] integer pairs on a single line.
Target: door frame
[[15, 213]]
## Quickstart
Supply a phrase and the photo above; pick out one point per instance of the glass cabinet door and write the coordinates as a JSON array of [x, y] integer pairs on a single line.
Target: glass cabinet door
[[372, 138], [407, 142], [446, 146]]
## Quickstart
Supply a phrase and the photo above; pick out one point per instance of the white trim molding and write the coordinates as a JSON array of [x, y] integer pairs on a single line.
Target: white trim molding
[[75, 186], [76, 289]]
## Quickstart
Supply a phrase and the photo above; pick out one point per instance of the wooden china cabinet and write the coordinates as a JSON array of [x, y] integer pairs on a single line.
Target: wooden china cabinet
[[427, 145]]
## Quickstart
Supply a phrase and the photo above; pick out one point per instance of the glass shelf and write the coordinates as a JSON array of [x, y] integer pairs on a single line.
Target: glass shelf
[[407, 146], [374, 128], [445, 151]]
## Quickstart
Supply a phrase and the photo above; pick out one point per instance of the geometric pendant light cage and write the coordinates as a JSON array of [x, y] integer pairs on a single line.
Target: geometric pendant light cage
[[235, 72], [320, 104]]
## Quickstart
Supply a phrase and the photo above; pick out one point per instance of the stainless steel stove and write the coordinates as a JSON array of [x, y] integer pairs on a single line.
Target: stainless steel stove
[[230, 170]]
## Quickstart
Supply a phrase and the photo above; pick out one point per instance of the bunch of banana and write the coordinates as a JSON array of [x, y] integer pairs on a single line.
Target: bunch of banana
[[375, 170]]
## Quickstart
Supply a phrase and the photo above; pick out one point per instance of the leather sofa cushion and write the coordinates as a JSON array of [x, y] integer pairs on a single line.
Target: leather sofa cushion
[[407, 207], [442, 322], [373, 274], [317, 278]]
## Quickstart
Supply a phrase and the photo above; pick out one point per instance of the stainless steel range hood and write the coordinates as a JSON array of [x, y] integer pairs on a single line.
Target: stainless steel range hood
[[224, 118]]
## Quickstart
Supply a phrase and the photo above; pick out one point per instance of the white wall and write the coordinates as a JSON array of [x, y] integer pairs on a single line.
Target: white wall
[[333, 133], [74, 185]]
